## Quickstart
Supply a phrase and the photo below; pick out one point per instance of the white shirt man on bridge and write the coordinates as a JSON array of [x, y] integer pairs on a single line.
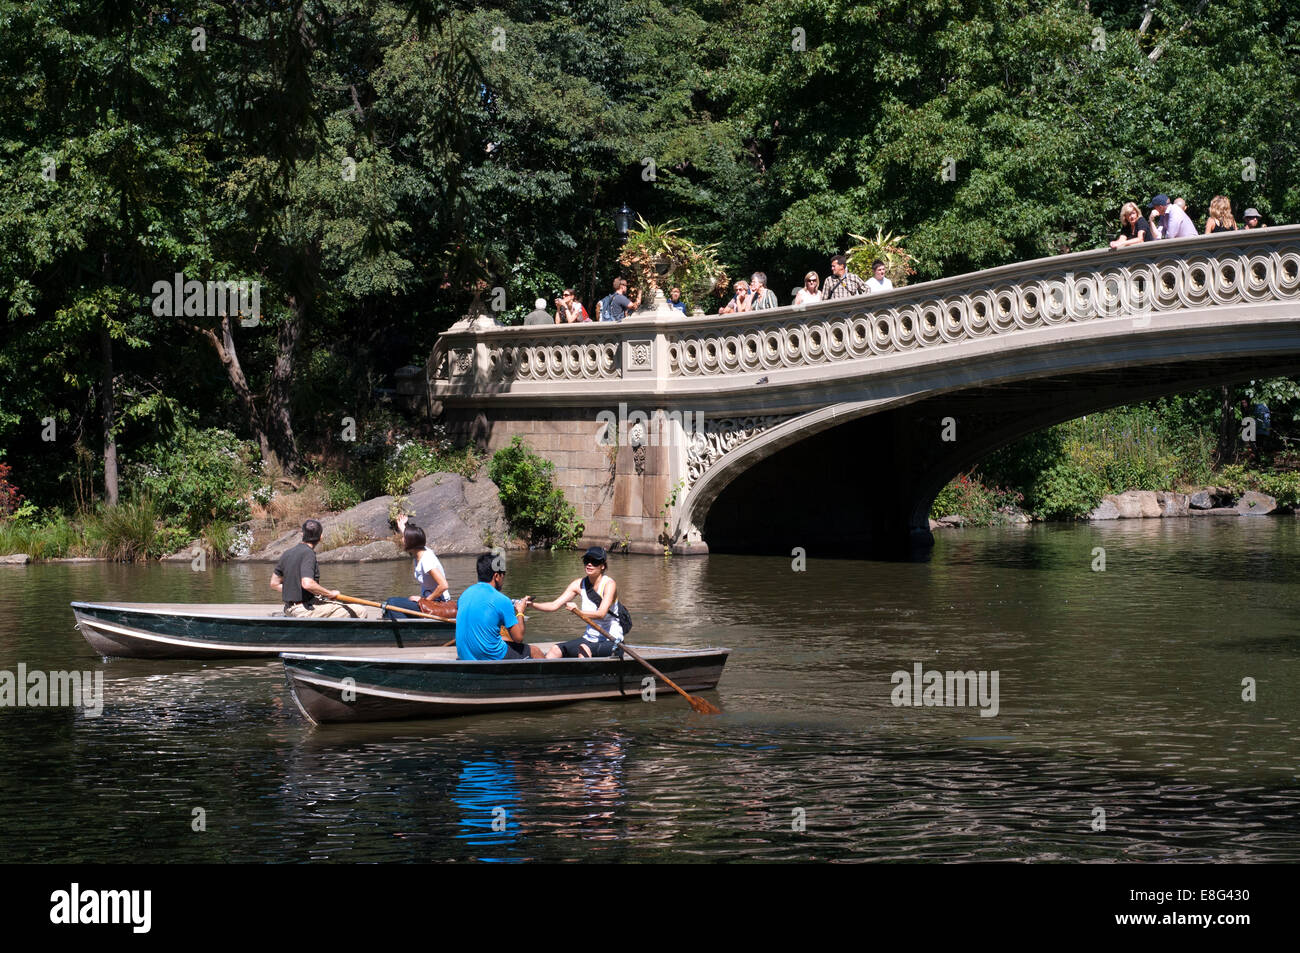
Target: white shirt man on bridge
[[1174, 222]]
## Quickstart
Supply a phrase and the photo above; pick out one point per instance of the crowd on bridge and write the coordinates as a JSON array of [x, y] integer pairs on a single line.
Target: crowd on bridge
[[751, 295], [1167, 219], [1170, 220]]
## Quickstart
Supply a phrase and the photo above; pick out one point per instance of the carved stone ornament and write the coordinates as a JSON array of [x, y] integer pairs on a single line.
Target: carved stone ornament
[[719, 437]]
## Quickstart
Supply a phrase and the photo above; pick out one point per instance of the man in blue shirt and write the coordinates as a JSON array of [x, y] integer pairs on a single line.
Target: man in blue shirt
[[483, 612]]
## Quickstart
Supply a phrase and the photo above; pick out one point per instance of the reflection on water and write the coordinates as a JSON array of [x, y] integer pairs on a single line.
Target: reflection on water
[[488, 797], [1121, 692]]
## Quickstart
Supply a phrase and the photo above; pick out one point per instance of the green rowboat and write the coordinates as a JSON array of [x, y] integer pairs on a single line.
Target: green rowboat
[[352, 685], [158, 630]]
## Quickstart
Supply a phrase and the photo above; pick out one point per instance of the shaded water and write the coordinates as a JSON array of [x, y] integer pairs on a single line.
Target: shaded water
[[1118, 690]]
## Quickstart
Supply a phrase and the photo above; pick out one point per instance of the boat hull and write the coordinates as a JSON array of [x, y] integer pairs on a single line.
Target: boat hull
[[390, 686], [192, 631]]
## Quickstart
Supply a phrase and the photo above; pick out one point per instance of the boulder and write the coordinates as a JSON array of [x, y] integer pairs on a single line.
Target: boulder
[[1107, 510], [15, 559], [1201, 500], [458, 517], [1256, 504], [1137, 504], [1216, 511], [377, 551], [952, 521], [183, 555], [1172, 504]]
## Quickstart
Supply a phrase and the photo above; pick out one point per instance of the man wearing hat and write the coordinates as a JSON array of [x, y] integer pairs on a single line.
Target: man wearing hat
[[596, 596], [1252, 219], [1173, 221]]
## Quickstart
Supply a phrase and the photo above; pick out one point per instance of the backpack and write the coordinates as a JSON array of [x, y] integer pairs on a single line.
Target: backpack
[[602, 308], [624, 617]]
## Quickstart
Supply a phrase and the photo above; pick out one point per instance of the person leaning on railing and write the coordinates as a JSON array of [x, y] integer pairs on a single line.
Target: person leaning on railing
[[842, 283], [761, 297], [808, 293], [1220, 218], [1134, 229]]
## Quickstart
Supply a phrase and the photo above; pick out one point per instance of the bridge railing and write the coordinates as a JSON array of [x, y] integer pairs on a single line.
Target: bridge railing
[[477, 358]]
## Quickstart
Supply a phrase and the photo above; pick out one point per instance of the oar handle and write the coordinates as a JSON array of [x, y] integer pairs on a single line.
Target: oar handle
[[379, 605]]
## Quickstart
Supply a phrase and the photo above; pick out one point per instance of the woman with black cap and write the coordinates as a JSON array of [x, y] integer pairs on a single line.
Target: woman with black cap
[[597, 598]]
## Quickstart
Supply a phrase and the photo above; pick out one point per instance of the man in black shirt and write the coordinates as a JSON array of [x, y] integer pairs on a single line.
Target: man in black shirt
[[297, 577]]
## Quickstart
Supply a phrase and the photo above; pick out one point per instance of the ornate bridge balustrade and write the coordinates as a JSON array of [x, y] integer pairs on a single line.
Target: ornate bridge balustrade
[[1029, 339]]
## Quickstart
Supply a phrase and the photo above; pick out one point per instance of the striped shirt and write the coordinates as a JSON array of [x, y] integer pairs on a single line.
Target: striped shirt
[[843, 286]]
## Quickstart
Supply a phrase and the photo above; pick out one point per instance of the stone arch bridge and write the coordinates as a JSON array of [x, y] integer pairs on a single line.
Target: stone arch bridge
[[833, 426]]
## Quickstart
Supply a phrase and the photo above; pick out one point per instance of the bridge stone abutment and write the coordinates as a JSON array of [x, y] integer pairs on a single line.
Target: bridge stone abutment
[[832, 427]]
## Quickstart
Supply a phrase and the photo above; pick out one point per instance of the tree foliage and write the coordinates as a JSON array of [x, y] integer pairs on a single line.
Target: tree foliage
[[370, 163]]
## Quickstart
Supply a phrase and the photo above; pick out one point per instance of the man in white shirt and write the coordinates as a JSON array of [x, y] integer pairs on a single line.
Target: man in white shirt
[[878, 282]]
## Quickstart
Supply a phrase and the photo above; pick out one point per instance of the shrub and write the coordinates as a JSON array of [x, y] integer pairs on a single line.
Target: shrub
[[968, 497], [218, 538], [1065, 491], [125, 532], [534, 505], [340, 536], [9, 495], [199, 477], [413, 459], [340, 494], [1283, 486]]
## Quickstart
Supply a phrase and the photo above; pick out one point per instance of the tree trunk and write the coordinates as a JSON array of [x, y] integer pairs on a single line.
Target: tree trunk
[[225, 348], [279, 419], [1227, 427], [110, 441]]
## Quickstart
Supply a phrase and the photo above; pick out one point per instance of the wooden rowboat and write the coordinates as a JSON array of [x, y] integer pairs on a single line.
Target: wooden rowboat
[[161, 630], [358, 685]]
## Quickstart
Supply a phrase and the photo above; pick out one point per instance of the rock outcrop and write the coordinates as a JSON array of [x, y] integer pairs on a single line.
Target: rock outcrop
[[459, 517]]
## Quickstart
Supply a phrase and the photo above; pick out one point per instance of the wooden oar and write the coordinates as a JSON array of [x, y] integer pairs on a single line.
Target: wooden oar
[[698, 704], [380, 605]]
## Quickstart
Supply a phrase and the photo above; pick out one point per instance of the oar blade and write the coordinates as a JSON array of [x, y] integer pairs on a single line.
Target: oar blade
[[703, 707]]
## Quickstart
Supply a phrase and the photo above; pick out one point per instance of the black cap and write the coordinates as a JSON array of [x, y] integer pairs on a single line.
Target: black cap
[[596, 554]]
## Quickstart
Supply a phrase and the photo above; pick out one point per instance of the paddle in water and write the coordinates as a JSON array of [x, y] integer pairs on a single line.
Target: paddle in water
[[697, 704]]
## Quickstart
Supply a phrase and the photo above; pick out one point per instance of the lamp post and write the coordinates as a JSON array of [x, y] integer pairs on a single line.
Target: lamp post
[[623, 221]]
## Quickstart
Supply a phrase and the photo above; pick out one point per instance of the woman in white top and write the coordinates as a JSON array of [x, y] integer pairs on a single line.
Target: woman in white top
[[597, 598], [809, 294], [427, 569]]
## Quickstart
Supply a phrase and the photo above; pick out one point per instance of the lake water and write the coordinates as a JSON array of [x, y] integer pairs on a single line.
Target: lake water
[[1119, 702]]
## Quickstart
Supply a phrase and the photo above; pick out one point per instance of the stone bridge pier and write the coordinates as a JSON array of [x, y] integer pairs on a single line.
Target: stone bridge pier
[[833, 427]]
